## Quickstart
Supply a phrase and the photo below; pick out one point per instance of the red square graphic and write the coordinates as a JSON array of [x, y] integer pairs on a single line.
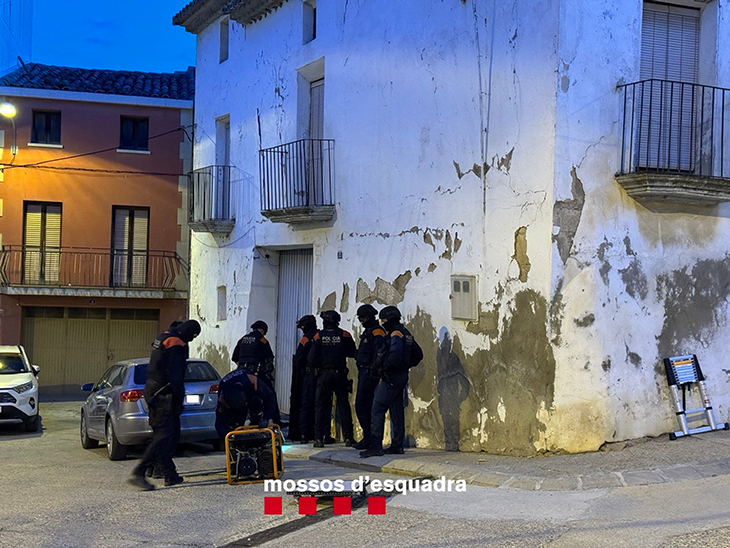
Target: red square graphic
[[272, 506], [376, 506], [307, 506], [343, 505]]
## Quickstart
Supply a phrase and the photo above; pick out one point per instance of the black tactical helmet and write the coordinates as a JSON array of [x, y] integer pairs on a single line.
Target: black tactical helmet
[[330, 316], [304, 321], [258, 324], [390, 313], [366, 311], [188, 330]]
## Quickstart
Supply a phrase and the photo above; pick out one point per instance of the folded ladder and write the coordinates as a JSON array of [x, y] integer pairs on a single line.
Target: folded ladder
[[685, 371]]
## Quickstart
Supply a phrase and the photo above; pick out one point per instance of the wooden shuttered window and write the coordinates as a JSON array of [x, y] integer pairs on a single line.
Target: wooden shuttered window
[[41, 243], [130, 234]]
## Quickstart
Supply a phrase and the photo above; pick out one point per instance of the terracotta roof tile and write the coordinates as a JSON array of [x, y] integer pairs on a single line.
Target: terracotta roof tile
[[177, 85]]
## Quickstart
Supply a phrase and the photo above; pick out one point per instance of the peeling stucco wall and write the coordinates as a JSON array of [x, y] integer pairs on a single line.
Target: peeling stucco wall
[[475, 139]]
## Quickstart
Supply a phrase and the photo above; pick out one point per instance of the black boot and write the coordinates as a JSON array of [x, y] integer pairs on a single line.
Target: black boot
[[393, 450], [140, 482], [318, 444], [371, 453], [362, 444], [349, 442]]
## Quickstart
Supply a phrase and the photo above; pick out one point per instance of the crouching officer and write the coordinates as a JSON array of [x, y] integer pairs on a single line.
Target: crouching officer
[[372, 341], [253, 352], [393, 380], [328, 358], [242, 396], [304, 391], [165, 393]]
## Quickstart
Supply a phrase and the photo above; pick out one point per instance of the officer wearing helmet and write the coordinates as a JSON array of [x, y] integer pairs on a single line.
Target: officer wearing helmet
[[372, 341], [242, 396], [331, 346], [390, 389], [253, 352], [304, 384]]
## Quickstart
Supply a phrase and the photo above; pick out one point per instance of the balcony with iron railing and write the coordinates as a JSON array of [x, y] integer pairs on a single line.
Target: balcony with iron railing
[[212, 203], [674, 142], [297, 181], [74, 267]]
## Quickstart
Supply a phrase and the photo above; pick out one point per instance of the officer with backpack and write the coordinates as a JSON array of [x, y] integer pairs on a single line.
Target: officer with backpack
[[401, 353], [331, 346], [372, 341]]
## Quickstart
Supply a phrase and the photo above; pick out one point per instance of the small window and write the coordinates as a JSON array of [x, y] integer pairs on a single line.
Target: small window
[[309, 21], [46, 128], [134, 133], [464, 304], [221, 303], [225, 27]]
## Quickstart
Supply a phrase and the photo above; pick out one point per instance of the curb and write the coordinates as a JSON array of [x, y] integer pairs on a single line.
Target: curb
[[412, 466]]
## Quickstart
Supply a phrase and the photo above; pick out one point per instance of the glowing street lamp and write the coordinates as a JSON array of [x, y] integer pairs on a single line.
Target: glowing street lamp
[[8, 110]]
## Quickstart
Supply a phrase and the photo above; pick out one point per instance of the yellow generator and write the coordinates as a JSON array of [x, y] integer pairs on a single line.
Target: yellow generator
[[254, 454]]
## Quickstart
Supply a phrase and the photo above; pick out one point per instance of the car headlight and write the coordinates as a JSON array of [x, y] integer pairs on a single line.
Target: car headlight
[[23, 387]]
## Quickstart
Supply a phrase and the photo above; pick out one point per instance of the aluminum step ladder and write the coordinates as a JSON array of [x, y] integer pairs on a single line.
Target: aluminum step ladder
[[685, 371]]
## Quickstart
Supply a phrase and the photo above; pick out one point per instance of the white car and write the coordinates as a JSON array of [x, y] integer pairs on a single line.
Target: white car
[[18, 388]]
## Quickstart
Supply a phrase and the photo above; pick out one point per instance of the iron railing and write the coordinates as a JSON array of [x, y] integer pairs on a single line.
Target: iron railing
[[88, 267], [675, 127], [211, 196], [297, 175]]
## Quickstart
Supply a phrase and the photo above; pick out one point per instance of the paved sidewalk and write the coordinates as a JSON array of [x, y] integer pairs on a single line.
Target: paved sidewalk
[[644, 461]]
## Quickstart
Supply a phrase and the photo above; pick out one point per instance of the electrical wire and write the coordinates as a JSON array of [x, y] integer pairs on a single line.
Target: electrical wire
[[42, 162], [105, 171]]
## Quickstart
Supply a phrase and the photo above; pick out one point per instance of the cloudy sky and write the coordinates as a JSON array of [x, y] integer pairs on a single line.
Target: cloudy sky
[[111, 34]]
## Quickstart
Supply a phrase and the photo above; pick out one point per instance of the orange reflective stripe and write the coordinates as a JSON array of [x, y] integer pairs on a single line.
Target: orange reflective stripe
[[316, 336], [378, 333], [346, 334], [172, 341], [396, 334], [263, 340], [303, 341]]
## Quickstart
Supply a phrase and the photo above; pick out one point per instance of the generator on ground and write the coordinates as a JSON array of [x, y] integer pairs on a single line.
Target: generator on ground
[[254, 454]]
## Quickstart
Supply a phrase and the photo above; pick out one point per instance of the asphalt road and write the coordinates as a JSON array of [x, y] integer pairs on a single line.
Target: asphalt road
[[54, 493]]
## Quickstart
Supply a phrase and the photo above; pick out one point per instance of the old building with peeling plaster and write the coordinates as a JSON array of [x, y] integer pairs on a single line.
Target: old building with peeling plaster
[[540, 186]]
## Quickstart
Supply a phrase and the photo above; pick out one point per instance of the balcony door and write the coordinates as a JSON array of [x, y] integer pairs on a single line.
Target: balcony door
[[307, 195], [220, 180], [667, 100], [130, 236], [41, 243]]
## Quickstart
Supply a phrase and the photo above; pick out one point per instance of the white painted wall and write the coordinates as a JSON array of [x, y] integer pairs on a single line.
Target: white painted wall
[[416, 95]]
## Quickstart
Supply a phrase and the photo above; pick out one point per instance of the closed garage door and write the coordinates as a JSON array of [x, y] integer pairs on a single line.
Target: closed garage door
[[74, 346]]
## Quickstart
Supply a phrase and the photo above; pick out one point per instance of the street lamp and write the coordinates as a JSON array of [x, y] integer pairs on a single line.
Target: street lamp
[[8, 110]]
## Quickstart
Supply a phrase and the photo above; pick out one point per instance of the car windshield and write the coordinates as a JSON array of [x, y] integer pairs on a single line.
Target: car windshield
[[12, 363], [196, 372]]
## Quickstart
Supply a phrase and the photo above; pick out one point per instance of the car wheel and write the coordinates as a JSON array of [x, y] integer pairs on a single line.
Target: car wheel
[[114, 449], [86, 441], [31, 425]]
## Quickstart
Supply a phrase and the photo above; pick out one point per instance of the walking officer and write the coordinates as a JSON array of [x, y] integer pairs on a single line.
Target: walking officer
[[371, 345], [328, 358], [253, 352], [389, 392], [165, 393], [306, 388]]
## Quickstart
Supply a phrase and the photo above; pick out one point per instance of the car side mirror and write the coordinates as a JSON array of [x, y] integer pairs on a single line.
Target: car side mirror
[[88, 387], [36, 370]]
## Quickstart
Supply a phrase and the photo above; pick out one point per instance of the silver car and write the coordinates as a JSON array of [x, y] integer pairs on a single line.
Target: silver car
[[115, 413]]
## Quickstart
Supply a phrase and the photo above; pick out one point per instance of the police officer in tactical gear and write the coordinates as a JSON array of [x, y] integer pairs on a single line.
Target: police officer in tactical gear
[[372, 341], [304, 384], [165, 393], [328, 357], [241, 396], [390, 389], [253, 352]]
